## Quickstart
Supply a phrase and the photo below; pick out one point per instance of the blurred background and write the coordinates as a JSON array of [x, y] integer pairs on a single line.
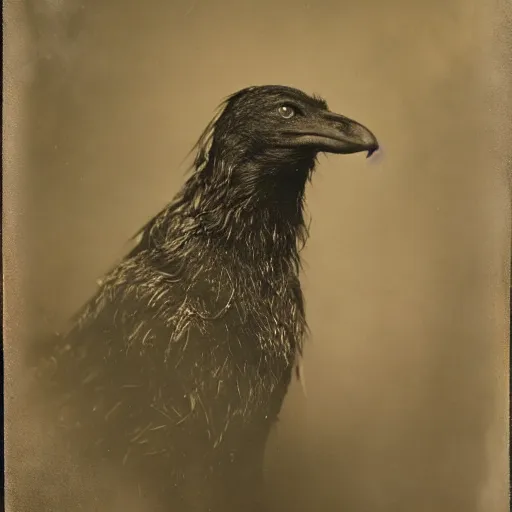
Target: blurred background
[[407, 267]]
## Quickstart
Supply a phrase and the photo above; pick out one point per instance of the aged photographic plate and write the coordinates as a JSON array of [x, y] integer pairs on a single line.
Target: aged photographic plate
[[400, 401]]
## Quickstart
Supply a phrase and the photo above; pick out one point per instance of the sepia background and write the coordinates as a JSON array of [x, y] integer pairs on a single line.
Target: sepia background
[[407, 267]]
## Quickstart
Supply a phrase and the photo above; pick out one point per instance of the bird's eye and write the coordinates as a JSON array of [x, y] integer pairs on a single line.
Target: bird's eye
[[286, 111]]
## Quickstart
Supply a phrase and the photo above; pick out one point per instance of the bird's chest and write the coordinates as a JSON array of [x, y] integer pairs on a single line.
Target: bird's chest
[[203, 365], [246, 349], [227, 364]]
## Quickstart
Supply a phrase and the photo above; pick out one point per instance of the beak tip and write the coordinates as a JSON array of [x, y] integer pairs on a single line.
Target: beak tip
[[372, 150]]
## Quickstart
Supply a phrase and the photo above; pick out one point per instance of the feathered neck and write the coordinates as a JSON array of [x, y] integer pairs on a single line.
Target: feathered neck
[[248, 207]]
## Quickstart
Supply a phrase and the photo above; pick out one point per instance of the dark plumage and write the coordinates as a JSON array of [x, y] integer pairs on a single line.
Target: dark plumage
[[177, 368]]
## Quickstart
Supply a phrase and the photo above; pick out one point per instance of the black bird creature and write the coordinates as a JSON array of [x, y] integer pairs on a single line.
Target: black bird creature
[[176, 370]]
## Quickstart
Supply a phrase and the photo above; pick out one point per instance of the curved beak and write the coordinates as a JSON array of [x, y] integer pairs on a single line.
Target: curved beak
[[334, 133]]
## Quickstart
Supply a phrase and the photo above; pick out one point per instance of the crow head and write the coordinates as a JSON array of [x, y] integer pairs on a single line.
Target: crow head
[[280, 126], [253, 162]]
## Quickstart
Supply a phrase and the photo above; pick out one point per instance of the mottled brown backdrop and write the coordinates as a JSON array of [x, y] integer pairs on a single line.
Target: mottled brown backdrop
[[407, 268]]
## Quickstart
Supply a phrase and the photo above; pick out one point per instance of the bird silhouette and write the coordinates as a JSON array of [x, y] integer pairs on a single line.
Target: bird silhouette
[[174, 373]]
